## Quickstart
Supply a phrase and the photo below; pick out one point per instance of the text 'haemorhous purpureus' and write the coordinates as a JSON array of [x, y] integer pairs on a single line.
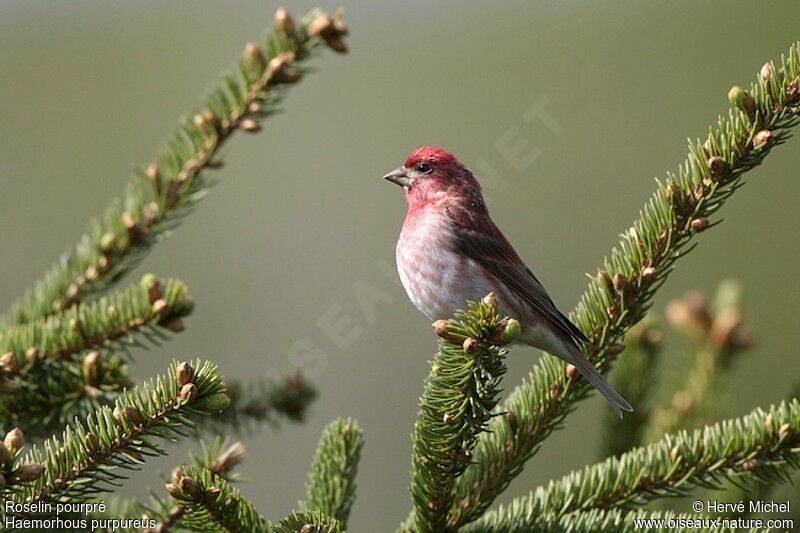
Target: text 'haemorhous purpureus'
[[450, 251]]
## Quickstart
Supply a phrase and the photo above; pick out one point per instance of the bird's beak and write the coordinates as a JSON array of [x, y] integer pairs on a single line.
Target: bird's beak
[[398, 176]]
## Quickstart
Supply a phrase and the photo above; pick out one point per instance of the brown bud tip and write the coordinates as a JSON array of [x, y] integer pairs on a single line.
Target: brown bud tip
[[751, 464], [716, 165], [188, 392], [9, 364], [337, 44], [440, 327], [200, 121], [699, 225], [762, 138], [255, 107], [321, 25], [648, 274], [605, 280], [250, 125], [91, 364], [229, 459], [446, 418], [283, 21], [14, 440], [176, 475], [91, 441], [184, 373], [212, 494], [189, 487], [616, 348], [159, 306], [254, 56], [572, 371], [471, 346], [513, 422], [132, 415], [766, 72], [620, 282], [29, 472], [308, 528], [6, 459], [340, 26], [128, 221], [173, 490], [784, 431], [491, 299]]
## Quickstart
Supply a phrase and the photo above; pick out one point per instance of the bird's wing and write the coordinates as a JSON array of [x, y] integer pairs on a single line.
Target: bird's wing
[[478, 238]]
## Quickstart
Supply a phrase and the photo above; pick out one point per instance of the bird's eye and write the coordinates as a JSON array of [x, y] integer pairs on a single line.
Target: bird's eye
[[424, 168]]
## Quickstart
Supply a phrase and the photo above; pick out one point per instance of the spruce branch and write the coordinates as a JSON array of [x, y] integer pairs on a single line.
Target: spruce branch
[[331, 486], [309, 522], [459, 395], [158, 196], [256, 403], [49, 385], [219, 459], [621, 295], [210, 503], [759, 445], [92, 454], [602, 521]]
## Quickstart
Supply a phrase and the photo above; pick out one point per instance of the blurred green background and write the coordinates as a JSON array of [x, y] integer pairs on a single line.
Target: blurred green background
[[300, 223]]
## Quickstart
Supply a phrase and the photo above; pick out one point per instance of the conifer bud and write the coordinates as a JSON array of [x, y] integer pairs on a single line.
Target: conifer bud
[[188, 392], [29, 472], [214, 403], [200, 121], [605, 280], [132, 415], [159, 306], [154, 176], [308, 528], [91, 366], [321, 25], [699, 225], [717, 166], [184, 373], [742, 100], [762, 138], [254, 56], [648, 274], [442, 329], [251, 126], [255, 107], [471, 346], [766, 71], [228, 459], [284, 22], [14, 440], [491, 299], [572, 371], [31, 354], [6, 459], [511, 331], [616, 349], [92, 442], [173, 490], [9, 364], [189, 487], [176, 475], [620, 282]]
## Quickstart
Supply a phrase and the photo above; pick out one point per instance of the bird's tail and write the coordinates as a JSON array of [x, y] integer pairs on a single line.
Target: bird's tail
[[587, 369]]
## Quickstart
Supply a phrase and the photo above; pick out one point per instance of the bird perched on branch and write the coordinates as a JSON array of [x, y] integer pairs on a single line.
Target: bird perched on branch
[[449, 251]]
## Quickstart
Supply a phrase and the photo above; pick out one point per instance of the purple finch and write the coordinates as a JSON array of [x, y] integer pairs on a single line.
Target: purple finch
[[450, 251]]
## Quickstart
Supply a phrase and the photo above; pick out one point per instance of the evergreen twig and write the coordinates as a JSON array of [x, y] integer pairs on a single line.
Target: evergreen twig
[[759, 445], [635, 270], [460, 393], [331, 487], [158, 196], [90, 454]]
